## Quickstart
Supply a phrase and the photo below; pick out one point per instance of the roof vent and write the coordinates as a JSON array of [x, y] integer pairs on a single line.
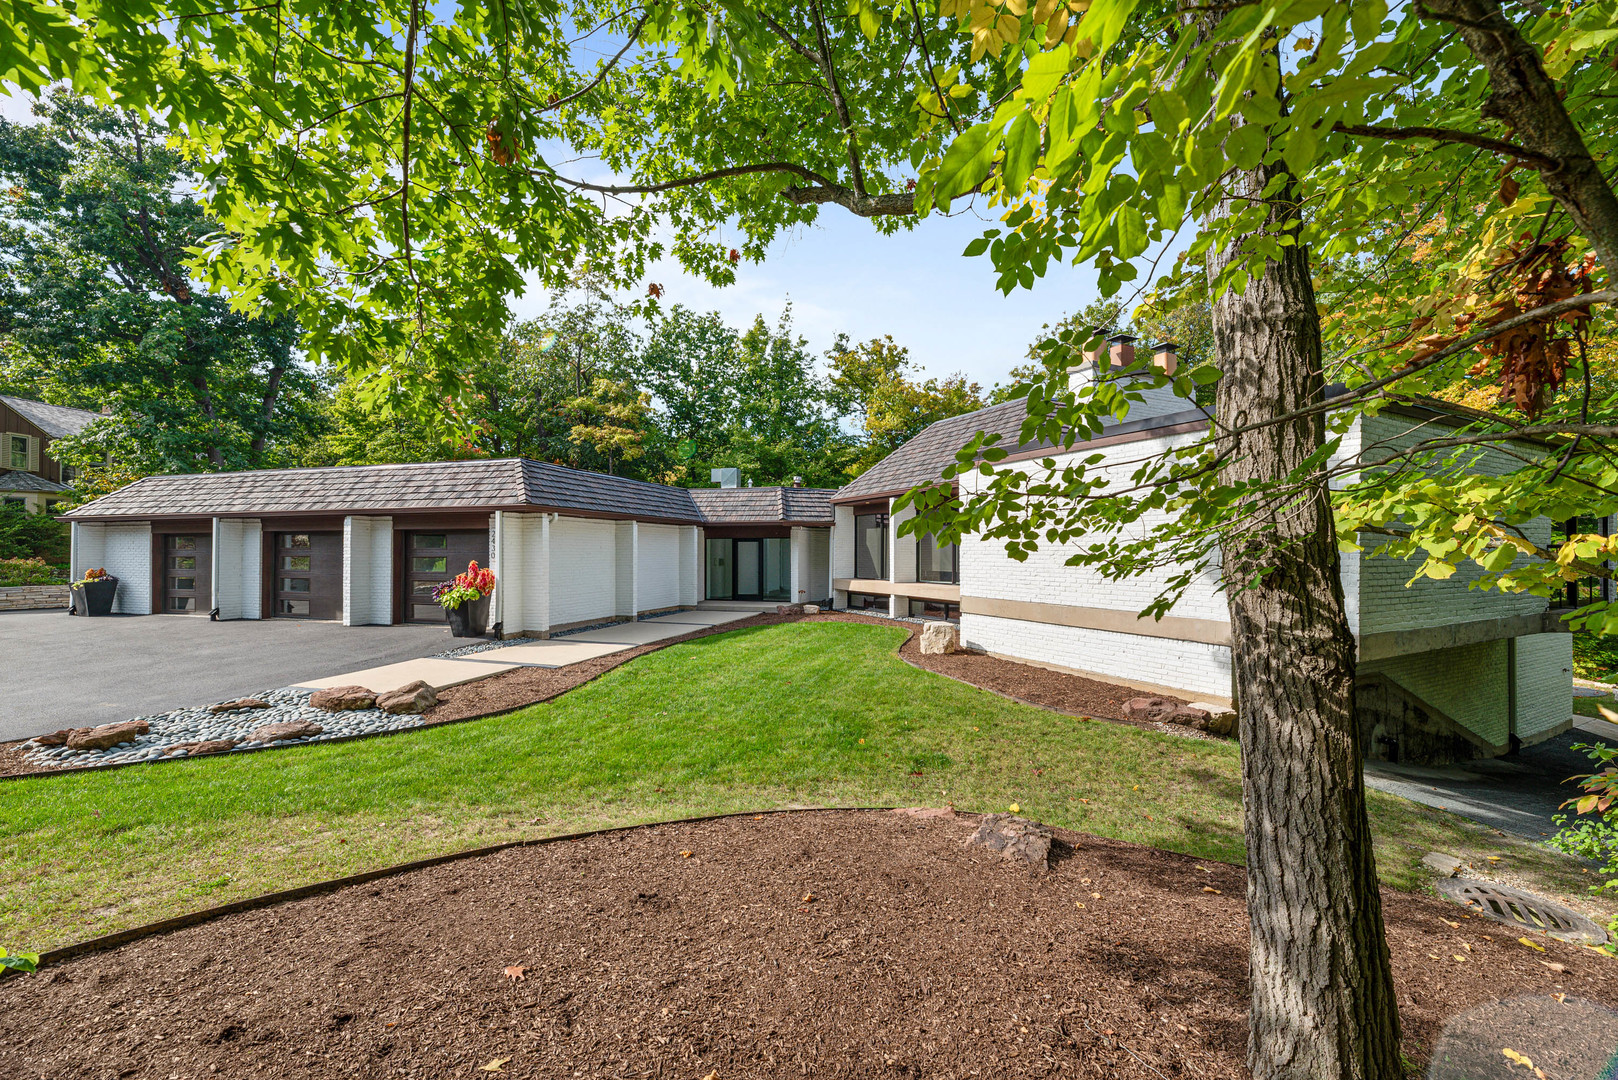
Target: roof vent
[[797, 481], [726, 478]]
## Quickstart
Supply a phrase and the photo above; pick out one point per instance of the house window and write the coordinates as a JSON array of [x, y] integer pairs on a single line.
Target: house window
[[69, 474], [935, 609], [20, 505], [871, 547], [935, 563], [1592, 589], [867, 602], [17, 451]]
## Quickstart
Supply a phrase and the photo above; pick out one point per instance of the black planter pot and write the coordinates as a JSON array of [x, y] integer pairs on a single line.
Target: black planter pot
[[95, 597], [471, 619]]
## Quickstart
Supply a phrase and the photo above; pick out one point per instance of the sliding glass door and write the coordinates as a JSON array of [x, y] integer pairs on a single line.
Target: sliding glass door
[[750, 569]]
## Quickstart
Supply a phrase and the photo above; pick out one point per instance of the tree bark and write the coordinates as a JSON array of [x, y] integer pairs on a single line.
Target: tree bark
[[1524, 97], [1323, 1004]]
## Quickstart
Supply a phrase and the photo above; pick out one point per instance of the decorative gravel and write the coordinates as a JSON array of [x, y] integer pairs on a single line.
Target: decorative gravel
[[198, 724]]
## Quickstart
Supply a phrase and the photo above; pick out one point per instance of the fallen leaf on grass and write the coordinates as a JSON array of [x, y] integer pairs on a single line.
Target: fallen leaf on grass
[[515, 972], [1516, 1058], [1494, 858], [497, 1065], [1210, 888], [1532, 945], [1014, 808]]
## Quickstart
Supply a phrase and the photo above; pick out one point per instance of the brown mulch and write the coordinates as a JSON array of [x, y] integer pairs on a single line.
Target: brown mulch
[[839, 944]]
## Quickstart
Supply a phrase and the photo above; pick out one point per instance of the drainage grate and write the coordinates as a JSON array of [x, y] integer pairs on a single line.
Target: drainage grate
[[1519, 908]]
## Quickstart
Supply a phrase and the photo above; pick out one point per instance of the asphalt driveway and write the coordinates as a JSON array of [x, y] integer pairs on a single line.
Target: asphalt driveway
[[57, 671]]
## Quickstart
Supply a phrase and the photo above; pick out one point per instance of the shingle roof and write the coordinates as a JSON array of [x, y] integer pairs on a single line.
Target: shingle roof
[[512, 483], [27, 481], [53, 420], [923, 458], [785, 505]]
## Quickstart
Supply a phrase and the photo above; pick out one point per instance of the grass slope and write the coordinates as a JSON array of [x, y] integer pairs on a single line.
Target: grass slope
[[813, 713]]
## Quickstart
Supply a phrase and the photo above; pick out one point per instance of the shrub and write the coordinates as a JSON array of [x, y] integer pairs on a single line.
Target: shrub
[[33, 536], [31, 572], [1595, 656]]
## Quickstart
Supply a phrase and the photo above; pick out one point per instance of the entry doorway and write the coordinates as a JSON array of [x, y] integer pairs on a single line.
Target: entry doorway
[[749, 569], [188, 574], [432, 558], [308, 580]]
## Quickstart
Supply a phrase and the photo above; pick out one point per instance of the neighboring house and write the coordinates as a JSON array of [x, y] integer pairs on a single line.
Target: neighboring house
[[30, 476], [1445, 672], [368, 544]]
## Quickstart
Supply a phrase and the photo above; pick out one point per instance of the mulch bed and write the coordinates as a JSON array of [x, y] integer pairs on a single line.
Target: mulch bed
[[835, 944]]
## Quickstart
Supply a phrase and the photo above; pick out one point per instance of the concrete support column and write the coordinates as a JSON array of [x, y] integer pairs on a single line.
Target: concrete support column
[[691, 551], [626, 537], [800, 566], [842, 553], [901, 559], [367, 571], [520, 557], [238, 568]]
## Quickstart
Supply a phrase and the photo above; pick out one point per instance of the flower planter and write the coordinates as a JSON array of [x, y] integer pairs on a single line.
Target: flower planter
[[95, 597], [470, 619]]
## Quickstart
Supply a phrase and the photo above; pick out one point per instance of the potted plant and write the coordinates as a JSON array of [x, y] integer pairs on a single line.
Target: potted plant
[[93, 593], [466, 601]]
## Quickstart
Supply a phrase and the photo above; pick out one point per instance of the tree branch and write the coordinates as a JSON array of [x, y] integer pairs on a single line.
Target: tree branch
[[1499, 146]]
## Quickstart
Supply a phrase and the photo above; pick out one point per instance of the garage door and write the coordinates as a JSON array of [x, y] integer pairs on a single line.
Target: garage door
[[432, 558], [308, 575], [188, 574]]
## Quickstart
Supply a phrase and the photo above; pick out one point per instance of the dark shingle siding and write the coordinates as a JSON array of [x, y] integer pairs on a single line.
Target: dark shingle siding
[[923, 458], [452, 485], [54, 420]]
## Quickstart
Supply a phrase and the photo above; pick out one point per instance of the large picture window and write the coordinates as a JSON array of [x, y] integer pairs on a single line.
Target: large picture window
[[871, 546], [749, 569], [939, 563]]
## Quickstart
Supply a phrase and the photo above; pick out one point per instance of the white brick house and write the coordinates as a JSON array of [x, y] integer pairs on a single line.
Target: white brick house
[[367, 544], [1445, 672]]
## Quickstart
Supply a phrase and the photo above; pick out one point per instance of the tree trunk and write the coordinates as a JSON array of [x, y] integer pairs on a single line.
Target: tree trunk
[[1323, 1004], [272, 392], [1526, 99]]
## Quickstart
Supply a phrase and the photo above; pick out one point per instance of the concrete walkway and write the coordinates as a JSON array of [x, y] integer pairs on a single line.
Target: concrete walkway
[[1517, 794], [445, 671]]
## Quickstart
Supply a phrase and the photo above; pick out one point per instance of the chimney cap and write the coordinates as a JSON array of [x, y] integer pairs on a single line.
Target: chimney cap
[[1165, 346], [1121, 339]]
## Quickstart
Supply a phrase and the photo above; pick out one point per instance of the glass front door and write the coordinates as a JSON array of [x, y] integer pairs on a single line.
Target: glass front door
[[749, 569]]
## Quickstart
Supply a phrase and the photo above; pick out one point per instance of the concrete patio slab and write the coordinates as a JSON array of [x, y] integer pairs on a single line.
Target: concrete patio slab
[[557, 653], [636, 633], [702, 618], [439, 672]]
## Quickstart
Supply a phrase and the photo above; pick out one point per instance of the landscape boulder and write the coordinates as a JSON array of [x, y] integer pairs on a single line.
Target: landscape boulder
[[238, 704], [789, 609], [1201, 715], [811, 609], [342, 698], [1015, 839], [206, 746], [1150, 710], [107, 736], [55, 738], [288, 729], [940, 639], [411, 698], [1221, 719]]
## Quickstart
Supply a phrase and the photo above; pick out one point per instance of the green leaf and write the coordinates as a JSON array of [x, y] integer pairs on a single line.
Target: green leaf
[[966, 163], [1022, 153]]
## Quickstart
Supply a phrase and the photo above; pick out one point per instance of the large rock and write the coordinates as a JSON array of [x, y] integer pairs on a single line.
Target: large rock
[[1201, 715], [342, 698], [1221, 718], [789, 609], [55, 738], [411, 698], [1150, 710], [238, 705], [1015, 839], [289, 729], [206, 746], [107, 736], [940, 638]]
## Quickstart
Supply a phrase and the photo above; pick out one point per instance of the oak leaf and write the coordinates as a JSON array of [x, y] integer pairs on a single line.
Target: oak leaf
[[516, 972]]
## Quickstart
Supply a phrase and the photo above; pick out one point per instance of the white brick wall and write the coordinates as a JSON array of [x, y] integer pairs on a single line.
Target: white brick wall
[[88, 544], [1544, 685], [583, 570], [842, 549], [657, 567], [1194, 667], [367, 571], [690, 565], [1385, 603], [127, 555], [819, 583], [901, 549], [1467, 684], [238, 568], [624, 550], [522, 572]]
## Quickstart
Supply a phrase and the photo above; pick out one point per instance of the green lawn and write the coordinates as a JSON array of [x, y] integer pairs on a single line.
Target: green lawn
[[812, 713]]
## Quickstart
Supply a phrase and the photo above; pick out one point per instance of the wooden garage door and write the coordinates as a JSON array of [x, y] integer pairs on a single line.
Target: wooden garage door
[[308, 575], [432, 558], [188, 574]]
